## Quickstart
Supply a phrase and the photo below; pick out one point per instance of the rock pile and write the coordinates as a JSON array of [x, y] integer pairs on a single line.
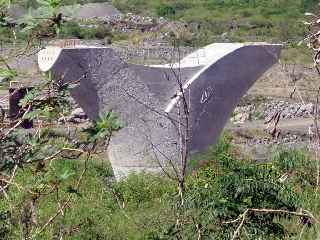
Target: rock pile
[[77, 116], [265, 111], [288, 110], [286, 138], [131, 22], [242, 114]]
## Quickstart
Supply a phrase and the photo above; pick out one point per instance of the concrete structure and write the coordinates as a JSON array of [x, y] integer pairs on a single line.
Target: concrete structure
[[146, 98]]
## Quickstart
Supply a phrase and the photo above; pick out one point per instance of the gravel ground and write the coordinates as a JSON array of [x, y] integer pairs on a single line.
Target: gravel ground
[[90, 11]]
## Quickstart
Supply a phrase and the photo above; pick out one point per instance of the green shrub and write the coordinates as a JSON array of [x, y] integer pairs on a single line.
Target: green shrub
[[297, 165], [213, 198], [102, 32], [165, 10], [70, 29], [137, 6], [246, 13], [307, 5], [224, 187], [144, 206], [73, 29]]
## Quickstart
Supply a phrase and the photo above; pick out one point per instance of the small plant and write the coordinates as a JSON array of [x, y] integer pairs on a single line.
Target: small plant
[[104, 127]]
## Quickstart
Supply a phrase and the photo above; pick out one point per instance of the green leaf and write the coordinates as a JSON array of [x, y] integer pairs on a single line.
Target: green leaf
[[32, 115], [66, 175], [8, 73]]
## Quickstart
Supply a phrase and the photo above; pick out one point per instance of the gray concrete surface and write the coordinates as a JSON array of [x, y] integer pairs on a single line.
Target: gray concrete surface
[[145, 97]]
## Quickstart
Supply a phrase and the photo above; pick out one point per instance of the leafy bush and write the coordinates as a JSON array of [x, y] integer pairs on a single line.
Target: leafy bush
[[297, 165], [306, 5], [73, 29], [144, 206], [165, 10], [102, 31], [70, 29], [212, 200], [226, 187]]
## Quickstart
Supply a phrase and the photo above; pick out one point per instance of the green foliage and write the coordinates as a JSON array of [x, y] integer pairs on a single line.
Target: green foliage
[[28, 22], [293, 54], [73, 29], [297, 165], [219, 155], [101, 209], [225, 187], [50, 3], [139, 189], [8, 74], [71, 2], [47, 203], [48, 109], [306, 5], [104, 127], [107, 122], [143, 206], [46, 9], [48, 171], [257, 20], [164, 10]]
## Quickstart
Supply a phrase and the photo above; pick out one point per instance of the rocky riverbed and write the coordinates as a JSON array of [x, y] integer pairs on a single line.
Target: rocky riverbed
[[266, 110]]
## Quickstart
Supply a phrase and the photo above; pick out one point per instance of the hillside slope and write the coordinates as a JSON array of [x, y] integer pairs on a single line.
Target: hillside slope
[[240, 20]]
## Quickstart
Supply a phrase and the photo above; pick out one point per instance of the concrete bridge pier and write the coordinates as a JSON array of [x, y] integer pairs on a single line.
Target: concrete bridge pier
[[147, 97]]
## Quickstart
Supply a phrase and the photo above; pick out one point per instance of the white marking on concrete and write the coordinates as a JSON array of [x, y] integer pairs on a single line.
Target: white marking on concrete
[[47, 57]]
